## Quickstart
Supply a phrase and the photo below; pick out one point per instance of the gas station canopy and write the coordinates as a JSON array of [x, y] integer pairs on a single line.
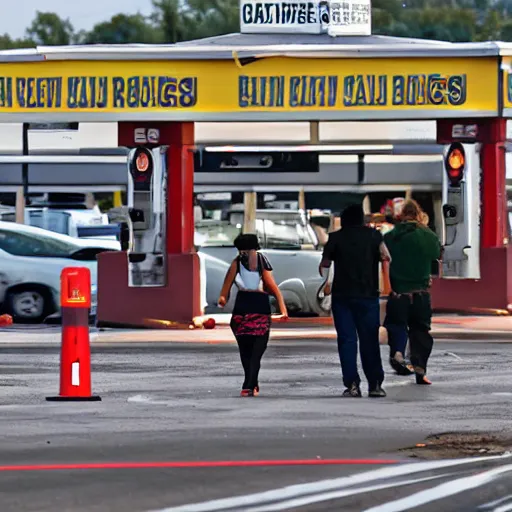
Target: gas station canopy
[[258, 77]]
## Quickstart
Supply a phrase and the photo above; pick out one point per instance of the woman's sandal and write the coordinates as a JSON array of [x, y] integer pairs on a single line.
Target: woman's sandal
[[421, 378]]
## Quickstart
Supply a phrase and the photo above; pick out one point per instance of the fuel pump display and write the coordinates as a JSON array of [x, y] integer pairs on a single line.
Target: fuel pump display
[[461, 205], [147, 207]]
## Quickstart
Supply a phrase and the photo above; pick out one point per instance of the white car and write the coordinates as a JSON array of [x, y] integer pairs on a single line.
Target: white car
[[31, 262], [76, 223]]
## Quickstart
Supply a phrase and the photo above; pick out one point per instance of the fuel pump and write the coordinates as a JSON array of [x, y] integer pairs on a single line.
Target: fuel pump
[[461, 211], [147, 207]]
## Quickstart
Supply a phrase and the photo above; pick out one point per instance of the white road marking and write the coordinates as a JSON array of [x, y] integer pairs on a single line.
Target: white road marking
[[441, 491], [494, 503], [142, 399], [504, 508], [455, 356], [395, 384], [328, 496], [302, 490]]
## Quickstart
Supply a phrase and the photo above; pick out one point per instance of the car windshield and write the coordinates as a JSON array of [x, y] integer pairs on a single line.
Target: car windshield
[[55, 221], [51, 220], [275, 229], [35, 245], [215, 234], [283, 229]]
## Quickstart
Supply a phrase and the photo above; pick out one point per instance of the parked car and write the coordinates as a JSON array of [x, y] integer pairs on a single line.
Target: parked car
[[31, 261], [89, 223], [289, 243]]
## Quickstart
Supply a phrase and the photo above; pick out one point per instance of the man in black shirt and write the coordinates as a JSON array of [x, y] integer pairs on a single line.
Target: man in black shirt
[[356, 251]]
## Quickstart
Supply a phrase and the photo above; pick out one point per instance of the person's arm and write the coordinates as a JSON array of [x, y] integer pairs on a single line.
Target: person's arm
[[385, 258], [271, 286], [386, 277], [327, 256], [329, 281], [228, 283], [433, 246]]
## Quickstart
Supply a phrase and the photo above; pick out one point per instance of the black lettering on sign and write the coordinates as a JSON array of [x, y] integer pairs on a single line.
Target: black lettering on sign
[[279, 13], [353, 91]]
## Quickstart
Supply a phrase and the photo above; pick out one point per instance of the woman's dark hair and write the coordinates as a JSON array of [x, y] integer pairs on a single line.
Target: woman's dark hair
[[247, 242], [352, 215]]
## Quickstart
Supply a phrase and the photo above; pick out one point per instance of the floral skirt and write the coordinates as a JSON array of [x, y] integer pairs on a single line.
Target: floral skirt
[[251, 314]]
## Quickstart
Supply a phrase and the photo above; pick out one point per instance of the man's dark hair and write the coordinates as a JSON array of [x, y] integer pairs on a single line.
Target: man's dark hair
[[352, 215]]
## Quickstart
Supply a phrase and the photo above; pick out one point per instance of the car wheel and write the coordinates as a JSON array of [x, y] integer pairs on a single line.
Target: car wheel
[[28, 305]]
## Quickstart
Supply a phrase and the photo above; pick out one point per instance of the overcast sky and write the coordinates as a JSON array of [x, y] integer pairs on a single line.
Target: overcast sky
[[82, 13]]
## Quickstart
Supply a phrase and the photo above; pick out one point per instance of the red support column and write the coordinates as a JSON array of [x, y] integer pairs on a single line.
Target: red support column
[[494, 199], [180, 209]]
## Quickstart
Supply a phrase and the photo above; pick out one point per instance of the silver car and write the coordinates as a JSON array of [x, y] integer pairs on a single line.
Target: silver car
[[289, 243]]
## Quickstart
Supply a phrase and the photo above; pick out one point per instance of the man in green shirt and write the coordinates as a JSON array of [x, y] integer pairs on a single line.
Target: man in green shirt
[[413, 248]]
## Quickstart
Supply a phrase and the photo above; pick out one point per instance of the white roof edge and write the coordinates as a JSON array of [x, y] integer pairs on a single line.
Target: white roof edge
[[505, 49], [21, 55], [182, 51]]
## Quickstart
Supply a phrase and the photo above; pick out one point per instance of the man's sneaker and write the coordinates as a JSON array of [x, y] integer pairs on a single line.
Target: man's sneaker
[[377, 392], [246, 392], [352, 392], [256, 391]]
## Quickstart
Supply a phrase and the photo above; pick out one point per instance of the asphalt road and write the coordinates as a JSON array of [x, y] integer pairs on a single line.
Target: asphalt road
[[170, 413]]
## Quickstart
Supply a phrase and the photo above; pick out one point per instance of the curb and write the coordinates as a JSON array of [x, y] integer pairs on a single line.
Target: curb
[[473, 335]]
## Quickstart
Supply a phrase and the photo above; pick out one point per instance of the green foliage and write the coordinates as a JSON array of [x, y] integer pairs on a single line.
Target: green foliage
[[49, 29], [122, 28], [174, 21]]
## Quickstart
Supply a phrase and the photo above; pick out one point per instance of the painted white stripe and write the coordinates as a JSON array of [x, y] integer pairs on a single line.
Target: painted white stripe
[[441, 491], [455, 356], [299, 490], [504, 508], [328, 496], [492, 504]]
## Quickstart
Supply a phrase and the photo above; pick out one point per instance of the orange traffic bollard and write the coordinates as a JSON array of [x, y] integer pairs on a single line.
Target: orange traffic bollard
[[75, 355]]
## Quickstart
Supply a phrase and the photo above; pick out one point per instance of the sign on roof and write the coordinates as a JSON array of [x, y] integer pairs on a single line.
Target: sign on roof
[[350, 18], [282, 17], [338, 18]]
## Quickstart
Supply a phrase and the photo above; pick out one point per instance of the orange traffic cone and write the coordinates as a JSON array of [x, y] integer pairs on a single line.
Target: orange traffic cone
[[75, 357]]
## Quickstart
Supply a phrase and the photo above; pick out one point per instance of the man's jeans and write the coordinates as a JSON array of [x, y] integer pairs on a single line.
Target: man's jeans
[[355, 318]]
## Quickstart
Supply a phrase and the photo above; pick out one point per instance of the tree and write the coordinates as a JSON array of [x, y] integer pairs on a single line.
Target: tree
[[491, 27], [214, 17], [174, 20], [123, 28], [50, 30], [6, 43]]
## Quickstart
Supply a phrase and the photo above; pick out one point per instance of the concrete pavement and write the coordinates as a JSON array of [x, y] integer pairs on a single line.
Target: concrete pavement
[[444, 327], [168, 402]]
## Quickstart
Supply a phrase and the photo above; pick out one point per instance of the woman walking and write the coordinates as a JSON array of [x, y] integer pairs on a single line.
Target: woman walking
[[251, 320]]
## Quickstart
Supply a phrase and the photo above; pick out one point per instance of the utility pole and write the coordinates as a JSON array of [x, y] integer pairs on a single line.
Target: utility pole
[[22, 192]]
